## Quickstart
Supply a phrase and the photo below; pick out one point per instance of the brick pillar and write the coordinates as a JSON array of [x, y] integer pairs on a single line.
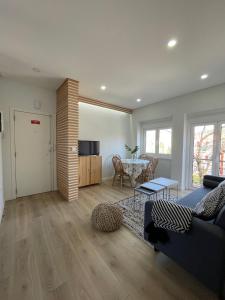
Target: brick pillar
[[67, 132]]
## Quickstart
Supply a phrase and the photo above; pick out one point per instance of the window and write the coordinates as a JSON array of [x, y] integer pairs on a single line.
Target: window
[[150, 141], [206, 152], [165, 141], [158, 141]]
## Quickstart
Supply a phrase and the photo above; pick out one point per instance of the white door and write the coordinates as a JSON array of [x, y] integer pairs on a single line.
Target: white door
[[32, 153]]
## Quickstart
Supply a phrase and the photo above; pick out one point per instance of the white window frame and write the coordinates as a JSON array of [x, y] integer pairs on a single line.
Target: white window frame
[[157, 129], [213, 118], [191, 150]]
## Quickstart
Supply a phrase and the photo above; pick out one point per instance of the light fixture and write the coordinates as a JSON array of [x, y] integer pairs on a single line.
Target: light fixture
[[103, 87], [204, 76], [138, 100], [172, 43]]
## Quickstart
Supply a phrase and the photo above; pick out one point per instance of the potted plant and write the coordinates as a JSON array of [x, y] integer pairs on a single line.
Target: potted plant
[[133, 152]]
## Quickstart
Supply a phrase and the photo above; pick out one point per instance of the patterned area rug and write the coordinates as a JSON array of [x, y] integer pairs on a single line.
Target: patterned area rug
[[133, 212]]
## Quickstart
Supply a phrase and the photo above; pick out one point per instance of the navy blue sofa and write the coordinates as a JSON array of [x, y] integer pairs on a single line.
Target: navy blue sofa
[[201, 250]]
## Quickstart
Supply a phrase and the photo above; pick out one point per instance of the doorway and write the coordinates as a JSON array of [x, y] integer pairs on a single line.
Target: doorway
[[207, 151], [33, 153]]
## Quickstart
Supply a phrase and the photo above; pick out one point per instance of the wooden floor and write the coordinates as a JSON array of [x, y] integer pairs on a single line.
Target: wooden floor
[[48, 250]]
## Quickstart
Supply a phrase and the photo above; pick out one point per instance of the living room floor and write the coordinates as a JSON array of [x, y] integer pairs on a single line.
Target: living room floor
[[49, 251]]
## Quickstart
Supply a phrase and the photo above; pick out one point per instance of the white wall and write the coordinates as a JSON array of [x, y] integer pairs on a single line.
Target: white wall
[[163, 168], [179, 109], [111, 128], [17, 95]]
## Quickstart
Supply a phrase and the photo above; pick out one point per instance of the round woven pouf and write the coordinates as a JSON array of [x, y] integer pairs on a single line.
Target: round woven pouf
[[107, 217]]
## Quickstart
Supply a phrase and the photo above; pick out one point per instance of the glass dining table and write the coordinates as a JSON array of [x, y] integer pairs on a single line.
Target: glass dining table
[[134, 168]]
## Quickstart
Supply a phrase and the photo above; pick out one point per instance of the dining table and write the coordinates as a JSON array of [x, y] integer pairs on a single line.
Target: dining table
[[134, 168]]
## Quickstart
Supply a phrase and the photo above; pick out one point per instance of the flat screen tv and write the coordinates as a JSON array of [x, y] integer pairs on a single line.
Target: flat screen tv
[[89, 148]]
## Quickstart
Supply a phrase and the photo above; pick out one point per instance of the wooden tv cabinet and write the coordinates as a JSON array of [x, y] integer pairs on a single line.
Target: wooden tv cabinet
[[90, 170]]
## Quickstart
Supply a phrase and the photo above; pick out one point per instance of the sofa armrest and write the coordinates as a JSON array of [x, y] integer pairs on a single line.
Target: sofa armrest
[[211, 233], [204, 247], [201, 250], [147, 216], [212, 181], [148, 210], [200, 228]]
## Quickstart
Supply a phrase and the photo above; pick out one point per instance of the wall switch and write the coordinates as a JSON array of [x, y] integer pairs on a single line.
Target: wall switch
[[74, 149]]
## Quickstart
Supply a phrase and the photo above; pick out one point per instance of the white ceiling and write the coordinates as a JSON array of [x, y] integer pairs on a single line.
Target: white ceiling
[[119, 43]]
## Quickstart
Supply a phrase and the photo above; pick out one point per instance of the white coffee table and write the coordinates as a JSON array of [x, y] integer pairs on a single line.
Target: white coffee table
[[150, 189], [154, 187], [168, 184]]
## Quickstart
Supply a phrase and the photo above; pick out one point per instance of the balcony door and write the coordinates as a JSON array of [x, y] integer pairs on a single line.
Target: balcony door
[[207, 151], [222, 150]]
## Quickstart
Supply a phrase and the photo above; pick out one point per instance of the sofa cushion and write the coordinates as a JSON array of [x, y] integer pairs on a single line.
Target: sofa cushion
[[211, 204], [193, 198], [222, 183]]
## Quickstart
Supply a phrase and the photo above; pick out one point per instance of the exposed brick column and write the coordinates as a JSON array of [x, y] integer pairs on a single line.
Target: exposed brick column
[[67, 132]]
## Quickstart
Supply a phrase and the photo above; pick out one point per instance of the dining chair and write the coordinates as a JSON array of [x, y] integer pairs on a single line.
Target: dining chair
[[149, 172], [146, 157], [117, 155], [119, 171], [154, 166]]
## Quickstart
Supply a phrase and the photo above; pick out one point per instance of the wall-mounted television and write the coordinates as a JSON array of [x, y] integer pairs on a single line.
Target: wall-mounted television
[[89, 147]]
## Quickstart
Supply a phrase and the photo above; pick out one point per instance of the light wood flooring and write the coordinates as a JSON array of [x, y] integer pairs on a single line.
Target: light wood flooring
[[49, 251]]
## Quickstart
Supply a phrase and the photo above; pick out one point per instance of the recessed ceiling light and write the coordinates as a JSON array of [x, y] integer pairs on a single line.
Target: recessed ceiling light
[[36, 70], [103, 87], [172, 43], [138, 100], [204, 76]]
